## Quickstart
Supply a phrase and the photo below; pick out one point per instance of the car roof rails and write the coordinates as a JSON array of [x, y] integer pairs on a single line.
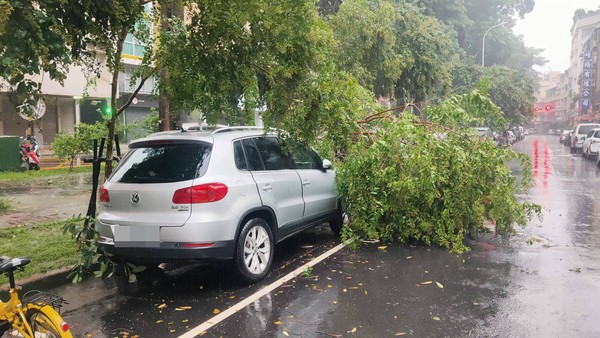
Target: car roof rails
[[228, 129]]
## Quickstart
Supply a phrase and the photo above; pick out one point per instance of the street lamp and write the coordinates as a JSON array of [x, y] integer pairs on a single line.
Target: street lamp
[[483, 45]]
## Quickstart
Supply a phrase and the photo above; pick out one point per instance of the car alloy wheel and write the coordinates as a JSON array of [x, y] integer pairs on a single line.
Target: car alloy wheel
[[254, 252]]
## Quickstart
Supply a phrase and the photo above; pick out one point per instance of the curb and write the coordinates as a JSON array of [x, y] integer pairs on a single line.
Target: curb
[[42, 281]]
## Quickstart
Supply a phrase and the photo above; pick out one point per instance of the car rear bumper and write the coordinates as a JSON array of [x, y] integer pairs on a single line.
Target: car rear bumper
[[169, 252]]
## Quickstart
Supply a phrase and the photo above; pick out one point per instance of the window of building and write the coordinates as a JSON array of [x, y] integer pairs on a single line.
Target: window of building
[[129, 86], [133, 46]]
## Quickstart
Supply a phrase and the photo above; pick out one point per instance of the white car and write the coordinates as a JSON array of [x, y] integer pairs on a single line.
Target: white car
[[229, 194], [591, 144], [579, 133]]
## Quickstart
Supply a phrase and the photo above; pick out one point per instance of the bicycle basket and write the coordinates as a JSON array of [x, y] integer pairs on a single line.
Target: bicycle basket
[[40, 297]]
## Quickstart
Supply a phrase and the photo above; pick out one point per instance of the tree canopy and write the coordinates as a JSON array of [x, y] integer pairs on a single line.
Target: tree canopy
[[393, 49]]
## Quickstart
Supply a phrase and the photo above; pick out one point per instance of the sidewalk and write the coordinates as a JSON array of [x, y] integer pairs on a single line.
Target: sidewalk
[[48, 160]]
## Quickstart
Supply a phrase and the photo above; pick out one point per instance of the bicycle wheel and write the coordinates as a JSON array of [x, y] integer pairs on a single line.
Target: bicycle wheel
[[47, 323]]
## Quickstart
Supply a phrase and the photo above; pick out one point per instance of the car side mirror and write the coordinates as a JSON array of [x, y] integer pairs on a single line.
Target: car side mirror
[[327, 164]]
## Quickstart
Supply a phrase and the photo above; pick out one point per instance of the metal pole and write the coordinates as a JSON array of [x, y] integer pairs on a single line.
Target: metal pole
[[483, 44]]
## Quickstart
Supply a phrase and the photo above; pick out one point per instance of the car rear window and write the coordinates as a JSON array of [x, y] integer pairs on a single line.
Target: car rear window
[[161, 163]]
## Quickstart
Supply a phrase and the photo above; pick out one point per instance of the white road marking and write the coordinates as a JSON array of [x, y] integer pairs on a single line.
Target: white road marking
[[242, 304]]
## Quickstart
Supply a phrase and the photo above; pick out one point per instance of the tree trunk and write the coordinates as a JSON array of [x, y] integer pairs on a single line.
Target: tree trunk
[[164, 109], [114, 86]]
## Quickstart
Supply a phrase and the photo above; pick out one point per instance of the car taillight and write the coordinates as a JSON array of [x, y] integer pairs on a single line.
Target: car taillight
[[104, 197], [203, 193]]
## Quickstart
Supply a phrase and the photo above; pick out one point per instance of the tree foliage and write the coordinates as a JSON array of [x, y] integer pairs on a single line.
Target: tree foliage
[[67, 146], [229, 58], [469, 20], [34, 39], [411, 180], [512, 92], [393, 49]]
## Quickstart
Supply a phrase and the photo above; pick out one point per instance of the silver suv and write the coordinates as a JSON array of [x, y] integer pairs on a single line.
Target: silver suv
[[232, 193]]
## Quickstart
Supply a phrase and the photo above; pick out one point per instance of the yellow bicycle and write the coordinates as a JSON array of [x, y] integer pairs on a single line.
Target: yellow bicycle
[[33, 317]]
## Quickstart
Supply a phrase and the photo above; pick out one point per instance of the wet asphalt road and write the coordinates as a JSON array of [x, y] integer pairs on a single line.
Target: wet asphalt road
[[542, 282]]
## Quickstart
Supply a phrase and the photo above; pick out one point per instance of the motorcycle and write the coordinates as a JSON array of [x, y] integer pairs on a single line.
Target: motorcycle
[[29, 159]]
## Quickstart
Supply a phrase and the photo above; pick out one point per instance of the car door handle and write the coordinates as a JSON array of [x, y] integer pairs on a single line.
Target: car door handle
[[306, 183], [267, 187]]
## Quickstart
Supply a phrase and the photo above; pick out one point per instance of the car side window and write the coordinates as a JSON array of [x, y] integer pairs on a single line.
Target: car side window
[[597, 134], [238, 156], [272, 154], [590, 134], [253, 157], [305, 158]]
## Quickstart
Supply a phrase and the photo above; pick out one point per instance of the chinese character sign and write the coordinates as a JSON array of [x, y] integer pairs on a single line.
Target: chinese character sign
[[586, 82]]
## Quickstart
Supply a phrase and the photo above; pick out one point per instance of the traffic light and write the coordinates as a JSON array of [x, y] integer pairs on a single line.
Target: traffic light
[[548, 107], [106, 109]]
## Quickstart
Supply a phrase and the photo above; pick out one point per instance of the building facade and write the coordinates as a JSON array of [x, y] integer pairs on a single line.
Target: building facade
[[62, 103], [583, 70]]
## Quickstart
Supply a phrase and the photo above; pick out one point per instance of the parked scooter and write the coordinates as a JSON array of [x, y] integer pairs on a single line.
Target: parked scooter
[[29, 159], [34, 145]]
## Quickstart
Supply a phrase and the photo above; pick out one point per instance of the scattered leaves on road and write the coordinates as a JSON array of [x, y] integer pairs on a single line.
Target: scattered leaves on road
[[436, 318], [285, 333], [382, 247], [216, 311], [426, 283], [439, 285], [352, 331], [277, 322]]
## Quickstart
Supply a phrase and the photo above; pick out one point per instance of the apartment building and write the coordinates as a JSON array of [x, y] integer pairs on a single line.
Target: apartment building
[[551, 108], [583, 70]]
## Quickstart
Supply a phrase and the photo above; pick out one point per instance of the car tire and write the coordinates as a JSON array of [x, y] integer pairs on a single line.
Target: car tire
[[254, 250], [337, 222]]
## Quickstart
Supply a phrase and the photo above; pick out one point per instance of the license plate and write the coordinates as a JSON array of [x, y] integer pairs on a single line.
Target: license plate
[[137, 236]]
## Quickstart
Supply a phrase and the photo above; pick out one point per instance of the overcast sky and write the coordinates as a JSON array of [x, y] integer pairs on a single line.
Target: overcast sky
[[549, 27]]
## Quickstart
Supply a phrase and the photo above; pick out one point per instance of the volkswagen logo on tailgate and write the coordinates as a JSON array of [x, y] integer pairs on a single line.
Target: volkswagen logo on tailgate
[[135, 198]]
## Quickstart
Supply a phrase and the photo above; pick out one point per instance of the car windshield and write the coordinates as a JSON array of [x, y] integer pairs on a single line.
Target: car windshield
[[586, 129], [161, 163]]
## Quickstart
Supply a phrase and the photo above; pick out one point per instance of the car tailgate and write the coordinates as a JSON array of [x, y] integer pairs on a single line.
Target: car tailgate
[[144, 204]]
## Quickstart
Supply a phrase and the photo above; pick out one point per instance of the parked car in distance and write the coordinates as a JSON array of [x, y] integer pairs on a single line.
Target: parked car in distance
[[512, 138], [579, 133], [485, 132], [519, 132], [226, 194], [589, 147]]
